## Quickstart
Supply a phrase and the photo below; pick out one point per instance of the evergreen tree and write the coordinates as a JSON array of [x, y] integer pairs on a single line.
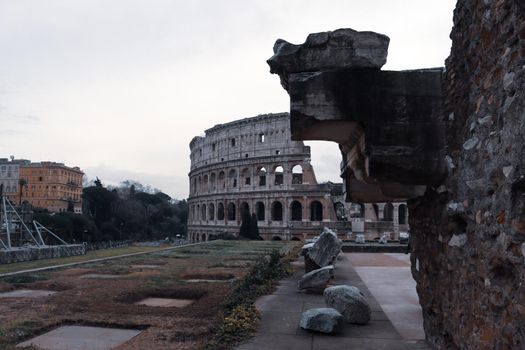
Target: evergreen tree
[[245, 230], [254, 229]]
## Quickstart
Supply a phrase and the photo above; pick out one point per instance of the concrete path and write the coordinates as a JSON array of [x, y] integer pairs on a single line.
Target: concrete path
[[280, 313], [390, 281], [81, 338]]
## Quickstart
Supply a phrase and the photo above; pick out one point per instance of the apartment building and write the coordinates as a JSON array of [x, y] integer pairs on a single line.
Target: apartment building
[[53, 186], [9, 175]]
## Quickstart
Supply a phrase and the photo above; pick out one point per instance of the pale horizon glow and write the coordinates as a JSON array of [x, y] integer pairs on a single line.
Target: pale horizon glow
[[119, 88]]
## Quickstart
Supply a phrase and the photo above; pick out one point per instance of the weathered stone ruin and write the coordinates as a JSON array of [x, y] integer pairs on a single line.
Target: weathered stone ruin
[[451, 142], [350, 302], [325, 250], [324, 320], [316, 281], [344, 303]]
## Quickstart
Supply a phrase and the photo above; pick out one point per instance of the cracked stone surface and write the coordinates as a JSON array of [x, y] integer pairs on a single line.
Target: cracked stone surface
[[27, 293], [81, 338]]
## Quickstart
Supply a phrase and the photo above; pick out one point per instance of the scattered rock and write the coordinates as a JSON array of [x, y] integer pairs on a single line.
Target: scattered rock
[[470, 143], [325, 320], [441, 189], [473, 126], [458, 240], [316, 281], [450, 163], [350, 302], [454, 208], [306, 248], [476, 184], [508, 79], [325, 250], [485, 120], [507, 170]]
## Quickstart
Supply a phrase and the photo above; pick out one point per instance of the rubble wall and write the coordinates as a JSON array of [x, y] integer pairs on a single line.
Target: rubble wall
[[29, 254], [468, 235]]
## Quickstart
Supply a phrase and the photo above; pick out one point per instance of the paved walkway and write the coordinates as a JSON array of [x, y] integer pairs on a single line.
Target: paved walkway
[[388, 278], [280, 312]]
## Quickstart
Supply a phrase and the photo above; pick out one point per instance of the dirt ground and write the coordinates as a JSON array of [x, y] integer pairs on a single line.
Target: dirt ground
[[103, 294]]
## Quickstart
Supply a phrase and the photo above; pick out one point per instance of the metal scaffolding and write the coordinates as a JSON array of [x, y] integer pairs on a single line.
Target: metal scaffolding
[[16, 233]]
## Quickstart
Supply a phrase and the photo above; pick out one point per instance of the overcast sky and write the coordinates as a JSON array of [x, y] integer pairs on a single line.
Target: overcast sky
[[120, 87]]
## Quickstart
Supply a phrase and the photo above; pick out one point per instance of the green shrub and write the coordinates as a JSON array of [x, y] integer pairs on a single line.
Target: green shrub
[[240, 317], [19, 279]]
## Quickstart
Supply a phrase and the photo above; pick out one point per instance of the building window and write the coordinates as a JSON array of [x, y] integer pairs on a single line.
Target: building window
[[277, 211], [220, 211], [262, 177], [297, 211], [316, 211], [279, 175], [231, 211], [261, 138], [277, 152], [232, 141], [297, 174], [211, 211], [213, 147], [259, 208], [403, 214]]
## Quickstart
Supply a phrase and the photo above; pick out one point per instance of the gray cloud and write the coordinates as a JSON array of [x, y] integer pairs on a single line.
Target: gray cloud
[[128, 83]]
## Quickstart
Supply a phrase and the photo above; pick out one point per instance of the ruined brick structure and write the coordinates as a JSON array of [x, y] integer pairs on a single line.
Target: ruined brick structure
[[252, 165], [451, 142]]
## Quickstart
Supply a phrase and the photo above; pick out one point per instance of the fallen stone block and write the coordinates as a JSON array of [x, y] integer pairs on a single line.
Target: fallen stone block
[[316, 281], [350, 302], [325, 250], [324, 320], [306, 248]]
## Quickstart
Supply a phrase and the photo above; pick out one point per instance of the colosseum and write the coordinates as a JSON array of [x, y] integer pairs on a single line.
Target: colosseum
[[252, 166]]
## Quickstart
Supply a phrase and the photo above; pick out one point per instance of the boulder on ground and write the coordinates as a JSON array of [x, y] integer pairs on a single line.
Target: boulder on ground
[[350, 302], [326, 248], [325, 320], [316, 281], [306, 248]]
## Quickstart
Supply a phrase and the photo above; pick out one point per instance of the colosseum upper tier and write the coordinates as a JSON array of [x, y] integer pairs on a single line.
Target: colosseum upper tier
[[252, 165]]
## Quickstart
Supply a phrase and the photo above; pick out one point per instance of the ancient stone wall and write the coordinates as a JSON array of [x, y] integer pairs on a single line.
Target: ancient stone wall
[[469, 235], [38, 253], [465, 184]]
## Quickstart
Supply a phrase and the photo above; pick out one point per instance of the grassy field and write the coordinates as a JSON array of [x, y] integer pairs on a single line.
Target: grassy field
[[105, 294], [95, 254]]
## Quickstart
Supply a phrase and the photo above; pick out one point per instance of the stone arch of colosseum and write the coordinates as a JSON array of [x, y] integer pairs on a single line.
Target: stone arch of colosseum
[[264, 172]]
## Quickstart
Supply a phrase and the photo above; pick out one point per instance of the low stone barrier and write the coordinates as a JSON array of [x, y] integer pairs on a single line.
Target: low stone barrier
[[37, 253]]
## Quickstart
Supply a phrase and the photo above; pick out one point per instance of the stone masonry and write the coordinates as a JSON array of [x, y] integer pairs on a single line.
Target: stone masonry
[[252, 165], [453, 146]]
